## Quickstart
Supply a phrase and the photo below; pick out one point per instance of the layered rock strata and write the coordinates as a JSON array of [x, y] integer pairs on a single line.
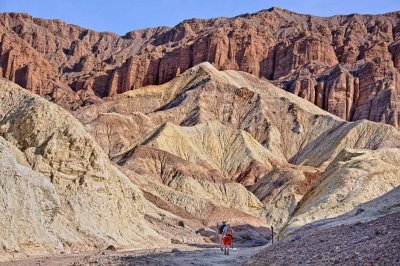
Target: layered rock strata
[[347, 65]]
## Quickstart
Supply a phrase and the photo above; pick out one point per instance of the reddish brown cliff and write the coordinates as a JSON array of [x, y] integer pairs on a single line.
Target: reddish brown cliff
[[348, 65]]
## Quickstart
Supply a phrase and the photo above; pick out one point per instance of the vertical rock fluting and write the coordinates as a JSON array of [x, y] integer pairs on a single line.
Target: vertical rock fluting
[[347, 65]]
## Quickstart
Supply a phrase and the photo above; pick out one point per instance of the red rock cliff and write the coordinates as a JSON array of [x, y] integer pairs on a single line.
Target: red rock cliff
[[348, 65]]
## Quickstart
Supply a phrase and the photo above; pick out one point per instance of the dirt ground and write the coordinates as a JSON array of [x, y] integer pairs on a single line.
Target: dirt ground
[[195, 254], [373, 243]]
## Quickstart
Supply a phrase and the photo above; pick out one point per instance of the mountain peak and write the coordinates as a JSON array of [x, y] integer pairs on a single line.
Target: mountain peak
[[275, 8]]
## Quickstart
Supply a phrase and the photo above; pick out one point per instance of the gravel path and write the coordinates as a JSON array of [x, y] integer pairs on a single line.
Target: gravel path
[[202, 254]]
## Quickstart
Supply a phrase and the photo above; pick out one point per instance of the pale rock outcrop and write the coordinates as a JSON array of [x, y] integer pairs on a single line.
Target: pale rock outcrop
[[354, 177], [98, 204], [116, 133], [193, 187], [281, 190], [213, 145], [358, 135], [29, 206]]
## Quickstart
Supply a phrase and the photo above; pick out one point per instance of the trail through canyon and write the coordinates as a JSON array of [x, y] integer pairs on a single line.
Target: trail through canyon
[[202, 254]]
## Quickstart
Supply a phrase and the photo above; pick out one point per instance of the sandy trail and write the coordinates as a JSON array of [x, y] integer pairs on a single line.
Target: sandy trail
[[201, 254]]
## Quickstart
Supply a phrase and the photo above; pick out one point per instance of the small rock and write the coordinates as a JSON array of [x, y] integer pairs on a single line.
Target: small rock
[[295, 238], [111, 247], [181, 224], [176, 250], [176, 241], [359, 211]]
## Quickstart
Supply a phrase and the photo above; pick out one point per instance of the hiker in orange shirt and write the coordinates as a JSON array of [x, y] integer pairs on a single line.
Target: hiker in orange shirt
[[227, 238]]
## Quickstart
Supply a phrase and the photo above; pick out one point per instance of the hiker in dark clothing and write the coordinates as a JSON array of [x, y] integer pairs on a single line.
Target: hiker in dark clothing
[[220, 233]]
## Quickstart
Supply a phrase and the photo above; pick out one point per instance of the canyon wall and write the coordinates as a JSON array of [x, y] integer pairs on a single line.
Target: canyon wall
[[348, 65]]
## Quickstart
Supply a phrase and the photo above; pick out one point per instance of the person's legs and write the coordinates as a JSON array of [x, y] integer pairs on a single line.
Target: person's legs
[[225, 245], [228, 244], [221, 242]]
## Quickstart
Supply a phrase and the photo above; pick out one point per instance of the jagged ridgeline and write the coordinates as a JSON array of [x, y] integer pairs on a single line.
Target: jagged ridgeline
[[346, 64]]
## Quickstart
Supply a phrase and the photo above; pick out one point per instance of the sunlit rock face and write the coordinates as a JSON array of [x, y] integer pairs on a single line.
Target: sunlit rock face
[[348, 65], [207, 128], [61, 192]]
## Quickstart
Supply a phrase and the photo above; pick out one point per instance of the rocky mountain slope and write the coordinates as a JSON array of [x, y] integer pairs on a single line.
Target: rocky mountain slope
[[208, 126], [29, 204], [61, 193], [74, 198], [366, 235], [348, 65], [164, 164]]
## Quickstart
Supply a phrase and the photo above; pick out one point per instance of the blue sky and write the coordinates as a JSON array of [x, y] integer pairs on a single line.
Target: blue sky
[[121, 16]]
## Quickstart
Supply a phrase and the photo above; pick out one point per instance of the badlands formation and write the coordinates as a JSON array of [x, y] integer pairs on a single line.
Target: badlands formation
[[91, 159], [162, 165], [347, 64], [301, 162]]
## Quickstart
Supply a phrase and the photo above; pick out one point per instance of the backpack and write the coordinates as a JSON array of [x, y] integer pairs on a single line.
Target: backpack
[[221, 228], [228, 232]]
